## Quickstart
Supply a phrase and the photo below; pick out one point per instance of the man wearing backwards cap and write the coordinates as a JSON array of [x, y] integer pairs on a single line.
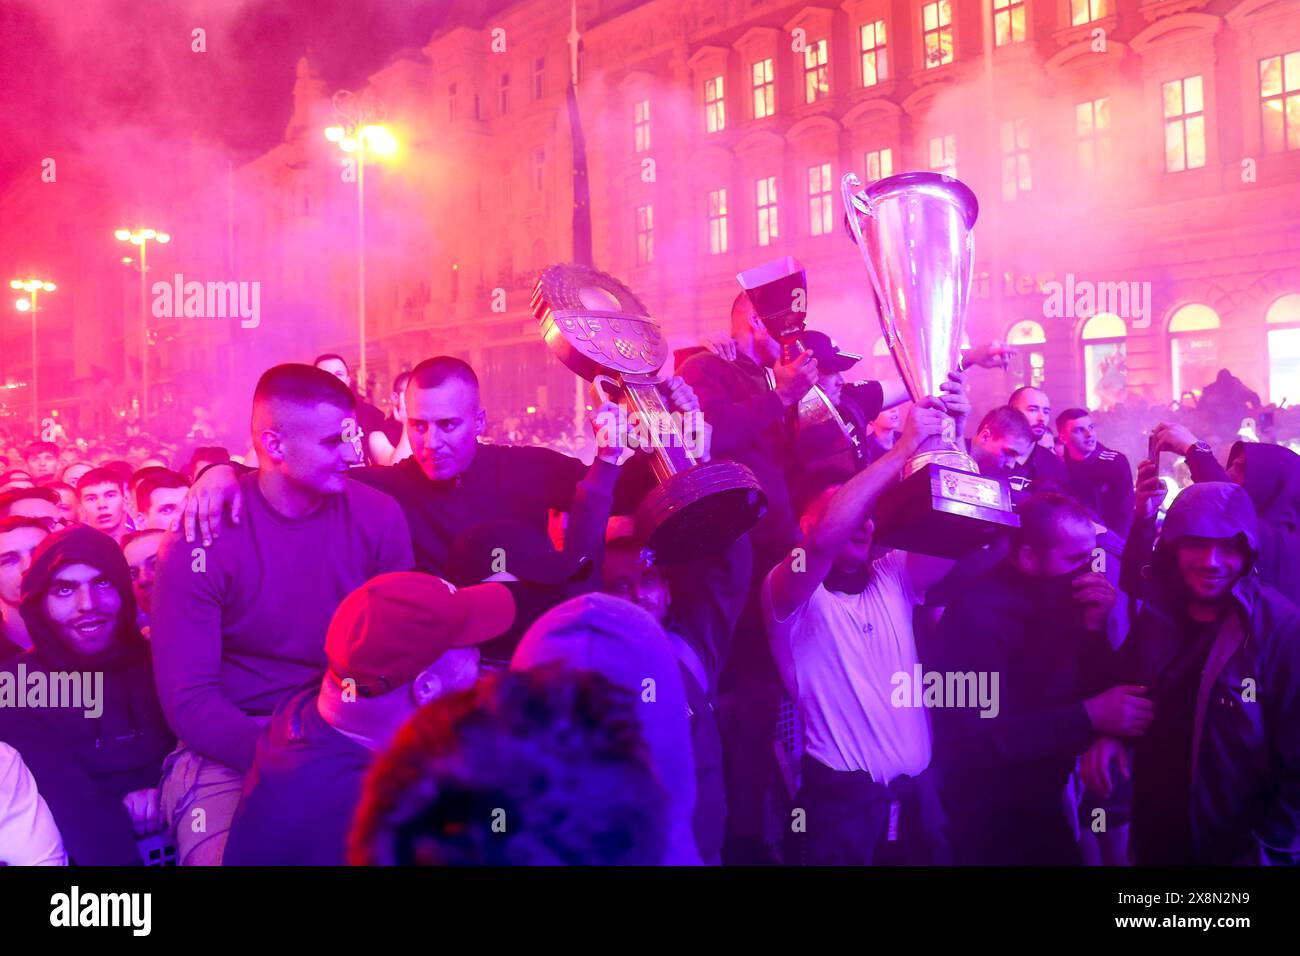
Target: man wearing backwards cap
[[395, 643]]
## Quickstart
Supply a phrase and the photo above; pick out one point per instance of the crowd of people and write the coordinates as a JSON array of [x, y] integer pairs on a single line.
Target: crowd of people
[[424, 638]]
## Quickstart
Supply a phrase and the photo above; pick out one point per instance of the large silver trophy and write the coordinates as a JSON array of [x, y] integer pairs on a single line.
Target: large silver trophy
[[915, 234]]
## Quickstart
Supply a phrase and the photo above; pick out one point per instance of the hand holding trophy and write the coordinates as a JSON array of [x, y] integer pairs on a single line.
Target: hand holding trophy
[[599, 329]]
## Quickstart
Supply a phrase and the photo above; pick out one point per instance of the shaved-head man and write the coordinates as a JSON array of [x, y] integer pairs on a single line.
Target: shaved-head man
[[1043, 466], [240, 622]]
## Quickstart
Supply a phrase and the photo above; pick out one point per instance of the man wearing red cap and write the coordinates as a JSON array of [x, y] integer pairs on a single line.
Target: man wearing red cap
[[396, 643]]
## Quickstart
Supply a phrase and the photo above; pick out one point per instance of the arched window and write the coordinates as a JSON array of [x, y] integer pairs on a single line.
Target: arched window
[[1105, 360], [1283, 320], [1193, 348], [882, 363], [1027, 365]]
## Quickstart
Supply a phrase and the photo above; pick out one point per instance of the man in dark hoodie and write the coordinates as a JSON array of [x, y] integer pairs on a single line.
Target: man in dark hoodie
[[98, 772], [1271, 476], [1216, 778]]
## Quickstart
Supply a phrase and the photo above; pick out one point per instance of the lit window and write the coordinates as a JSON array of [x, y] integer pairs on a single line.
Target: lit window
[[1085, 11], [1184, 124], [816, 74], [1279, 90], [1008, 21], [936, 21], [943, 154], [715, 110], [764, 88], [645, 234], [641, 120], [879, 164], [1015, 158], [1105, 360], [539, 169], [1028, 364], [819, 199], [539, 77], [767, 214], [1193, 348], [1283, 320], [1092, 130], [503, 94], [717, 221], [875, 66]]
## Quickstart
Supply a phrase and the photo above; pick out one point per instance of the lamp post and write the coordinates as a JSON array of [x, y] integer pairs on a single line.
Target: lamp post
[[141, 237], [362, 133], [32, 287]]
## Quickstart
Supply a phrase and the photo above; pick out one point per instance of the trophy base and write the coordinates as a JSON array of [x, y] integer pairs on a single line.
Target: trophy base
[[943, 511], [700, 511]]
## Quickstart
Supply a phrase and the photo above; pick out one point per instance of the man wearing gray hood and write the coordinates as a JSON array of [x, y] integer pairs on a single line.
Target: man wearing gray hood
[[626, 645], [1219, 653]]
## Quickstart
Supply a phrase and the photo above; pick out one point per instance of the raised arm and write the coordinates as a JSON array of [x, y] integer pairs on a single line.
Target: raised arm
[[795, 579]]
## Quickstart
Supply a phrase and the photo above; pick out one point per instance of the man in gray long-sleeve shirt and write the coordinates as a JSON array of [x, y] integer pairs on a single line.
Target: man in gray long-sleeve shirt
[[241, 622]]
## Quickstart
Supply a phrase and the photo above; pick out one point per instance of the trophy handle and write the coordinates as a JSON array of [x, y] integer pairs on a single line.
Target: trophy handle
[[599, 383], [855, 197]]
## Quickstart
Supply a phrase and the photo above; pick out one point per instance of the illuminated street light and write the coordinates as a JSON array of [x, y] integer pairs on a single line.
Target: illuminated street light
[[30, 304], [140, 237], [361, 132]]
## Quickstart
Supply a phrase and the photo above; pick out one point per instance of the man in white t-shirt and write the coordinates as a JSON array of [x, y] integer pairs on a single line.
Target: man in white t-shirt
[[840, 627]]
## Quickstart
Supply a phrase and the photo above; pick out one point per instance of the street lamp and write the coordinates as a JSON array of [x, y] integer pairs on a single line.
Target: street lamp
[[142, 237], [361, 133], [32, 287]]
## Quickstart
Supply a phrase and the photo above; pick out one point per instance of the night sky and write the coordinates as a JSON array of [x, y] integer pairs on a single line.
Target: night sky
[[71, 67]]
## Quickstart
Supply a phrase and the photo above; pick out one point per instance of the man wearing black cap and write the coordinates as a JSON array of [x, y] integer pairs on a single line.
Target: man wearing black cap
[[857, 402], [396, 643]]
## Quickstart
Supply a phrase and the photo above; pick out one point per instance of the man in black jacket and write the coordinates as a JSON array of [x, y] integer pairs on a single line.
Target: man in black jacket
[[1216, 778], [1042, 470], [1035, 624], [97, 764], [1099, 477]]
